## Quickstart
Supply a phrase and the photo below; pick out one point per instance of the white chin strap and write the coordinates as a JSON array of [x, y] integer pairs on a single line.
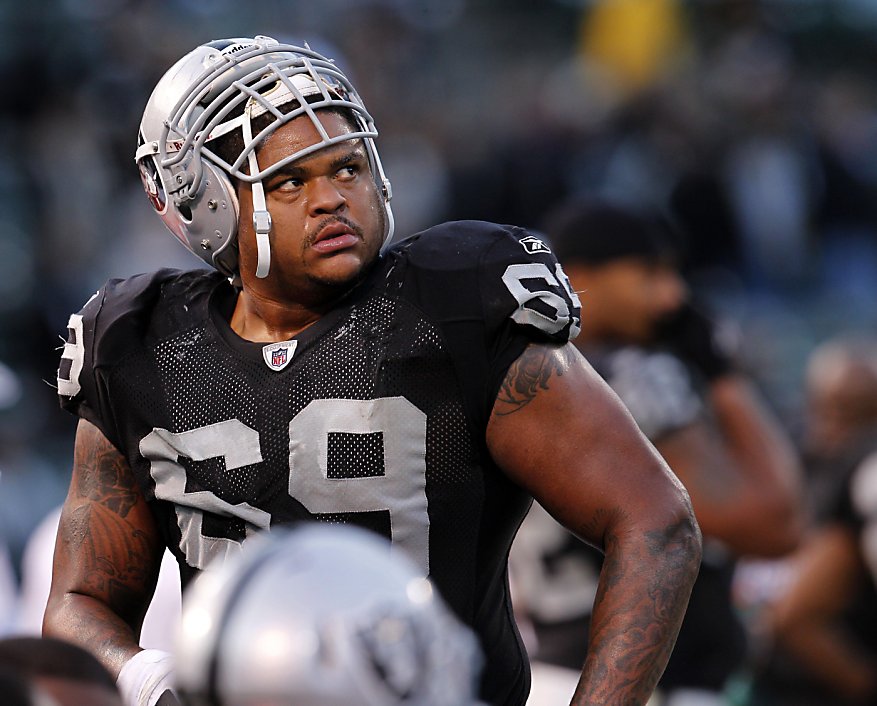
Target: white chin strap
[[261, 217]]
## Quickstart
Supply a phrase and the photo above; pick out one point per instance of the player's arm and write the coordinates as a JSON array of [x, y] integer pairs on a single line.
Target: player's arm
[[741, 472], [807, 618], [107, 555], [561, 433], [738, 464]]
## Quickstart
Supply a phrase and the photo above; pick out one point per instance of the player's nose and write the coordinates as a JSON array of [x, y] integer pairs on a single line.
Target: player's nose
[[324, 197]]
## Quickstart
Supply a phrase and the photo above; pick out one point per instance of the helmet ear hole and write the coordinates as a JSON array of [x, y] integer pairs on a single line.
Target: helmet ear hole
[[185, 212], [225, 205]]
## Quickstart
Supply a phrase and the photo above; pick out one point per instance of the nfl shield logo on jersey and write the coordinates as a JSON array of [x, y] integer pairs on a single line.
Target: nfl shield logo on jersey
[[532, 245], [278, 355]]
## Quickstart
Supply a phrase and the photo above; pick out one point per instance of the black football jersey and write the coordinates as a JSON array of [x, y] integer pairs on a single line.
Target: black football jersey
[[375, 415]]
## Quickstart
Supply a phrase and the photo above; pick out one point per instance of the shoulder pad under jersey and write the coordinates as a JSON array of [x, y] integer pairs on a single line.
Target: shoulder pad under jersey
[[110, 325], [517, 276]]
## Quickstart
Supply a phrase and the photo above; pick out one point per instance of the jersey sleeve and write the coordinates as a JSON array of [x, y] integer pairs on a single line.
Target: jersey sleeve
[[524, 288], [78, 389], [103, 332], [526, 298]]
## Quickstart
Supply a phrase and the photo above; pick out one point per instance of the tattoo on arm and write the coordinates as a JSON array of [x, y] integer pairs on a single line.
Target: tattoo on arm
[[107, 555], [529, 374], [626, 657], [111, 569], [114, 554], [106, 478]]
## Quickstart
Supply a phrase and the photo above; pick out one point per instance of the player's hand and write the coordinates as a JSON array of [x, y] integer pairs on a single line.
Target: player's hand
[[693, 337]]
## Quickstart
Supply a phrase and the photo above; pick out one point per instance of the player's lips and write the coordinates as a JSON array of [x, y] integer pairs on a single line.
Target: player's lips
[[335, 236]]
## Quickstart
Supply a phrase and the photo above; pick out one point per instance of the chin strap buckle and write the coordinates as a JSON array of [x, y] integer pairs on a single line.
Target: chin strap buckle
[[262, 225]]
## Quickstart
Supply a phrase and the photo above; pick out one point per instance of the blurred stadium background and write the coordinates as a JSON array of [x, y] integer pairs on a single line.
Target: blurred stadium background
[[754, 123]]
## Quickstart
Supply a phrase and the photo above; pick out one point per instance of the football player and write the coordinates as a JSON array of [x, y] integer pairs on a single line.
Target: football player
[[426, 391]]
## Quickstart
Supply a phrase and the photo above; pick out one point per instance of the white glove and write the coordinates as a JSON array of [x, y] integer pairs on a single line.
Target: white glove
[[146, 677]]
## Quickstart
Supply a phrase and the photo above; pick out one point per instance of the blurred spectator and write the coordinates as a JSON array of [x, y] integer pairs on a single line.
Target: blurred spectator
[[666, 362], [69, 674], [10, 393], [8, 590], [823, 617]]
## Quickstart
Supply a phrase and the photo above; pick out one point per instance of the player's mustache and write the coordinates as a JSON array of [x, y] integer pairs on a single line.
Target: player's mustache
[[329, 220]]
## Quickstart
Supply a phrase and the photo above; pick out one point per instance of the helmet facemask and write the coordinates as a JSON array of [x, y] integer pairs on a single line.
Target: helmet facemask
[[250, 86]]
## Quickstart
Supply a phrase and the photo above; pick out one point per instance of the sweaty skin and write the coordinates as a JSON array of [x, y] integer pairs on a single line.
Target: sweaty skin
[[327, 229]]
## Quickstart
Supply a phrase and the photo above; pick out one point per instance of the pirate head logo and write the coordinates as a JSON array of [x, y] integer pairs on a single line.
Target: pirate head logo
[[396, 651]]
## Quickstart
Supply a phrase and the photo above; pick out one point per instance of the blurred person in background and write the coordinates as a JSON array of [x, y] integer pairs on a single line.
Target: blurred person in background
[[666, 362], [822, 620], [9, 590], [69, 674], [427, 391], [357, 624], [10, 394]]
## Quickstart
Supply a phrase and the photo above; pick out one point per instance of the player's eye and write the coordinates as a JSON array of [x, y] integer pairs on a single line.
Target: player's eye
[[347, 172], [288, 184]]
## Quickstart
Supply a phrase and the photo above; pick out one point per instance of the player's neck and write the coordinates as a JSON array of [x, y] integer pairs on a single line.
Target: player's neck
[[264, 320]]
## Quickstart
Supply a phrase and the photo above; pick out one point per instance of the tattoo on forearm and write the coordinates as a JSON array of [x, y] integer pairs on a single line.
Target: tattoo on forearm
[[113, 570], [637, 616], [107, 555], [530, 373]]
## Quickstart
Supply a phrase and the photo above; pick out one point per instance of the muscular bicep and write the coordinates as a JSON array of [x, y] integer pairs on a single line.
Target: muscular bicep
[[562, 434], [107, 547]]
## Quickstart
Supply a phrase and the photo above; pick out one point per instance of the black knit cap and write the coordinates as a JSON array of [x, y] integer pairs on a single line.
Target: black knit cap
[[595, 232]]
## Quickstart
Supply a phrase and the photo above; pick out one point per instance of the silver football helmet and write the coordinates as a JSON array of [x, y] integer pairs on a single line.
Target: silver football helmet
[[220, 87], [321, 615]]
